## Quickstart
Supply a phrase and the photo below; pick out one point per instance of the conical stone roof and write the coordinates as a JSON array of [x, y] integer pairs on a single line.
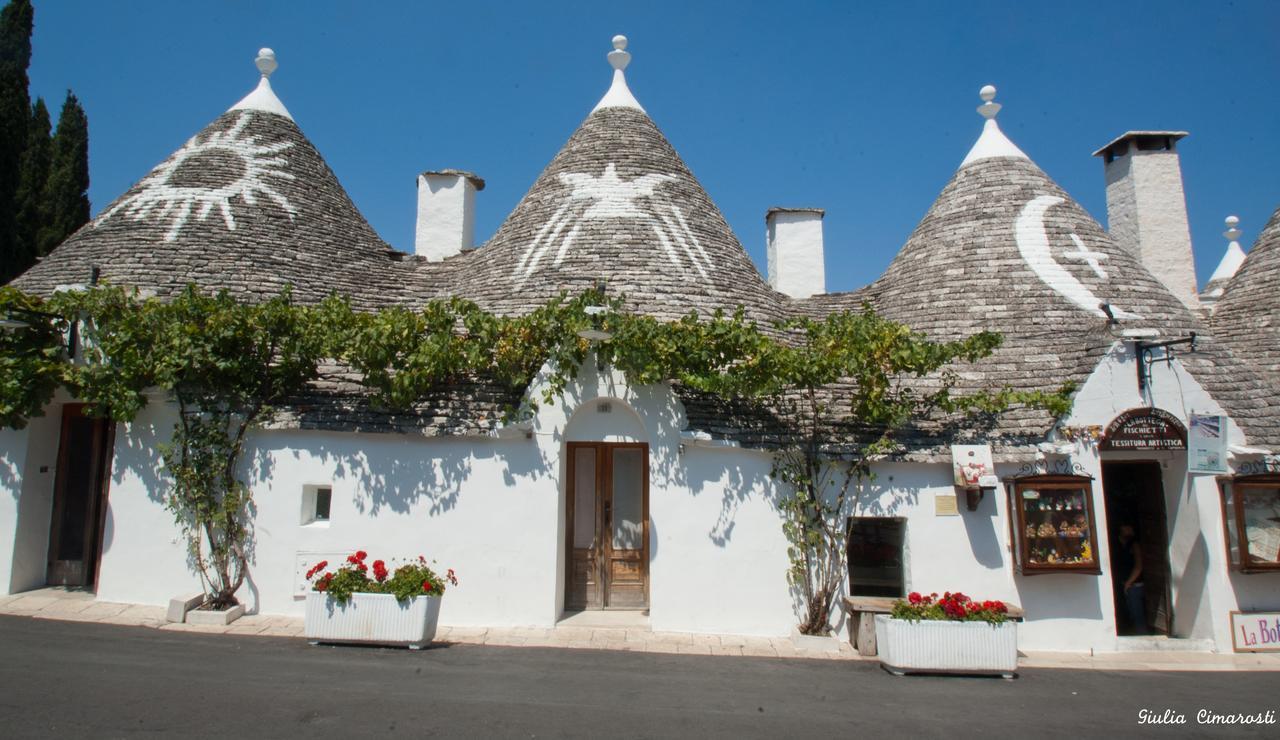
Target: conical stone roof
[[1005, 249], [247, 204], [618, 204], [1247, 316]]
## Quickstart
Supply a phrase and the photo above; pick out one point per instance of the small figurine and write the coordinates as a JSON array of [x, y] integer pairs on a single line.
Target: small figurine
[[1086, 553]]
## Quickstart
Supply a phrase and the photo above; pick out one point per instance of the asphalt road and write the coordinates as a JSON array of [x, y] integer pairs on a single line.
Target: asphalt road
[[68, 679]]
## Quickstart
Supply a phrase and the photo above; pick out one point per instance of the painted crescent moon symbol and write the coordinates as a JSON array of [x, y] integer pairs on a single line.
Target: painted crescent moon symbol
[[1033, 244]]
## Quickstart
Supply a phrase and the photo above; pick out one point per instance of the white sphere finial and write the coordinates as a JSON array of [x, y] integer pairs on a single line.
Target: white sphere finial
[[988, 109], [266, 61], [1232, 233], [619, 58]]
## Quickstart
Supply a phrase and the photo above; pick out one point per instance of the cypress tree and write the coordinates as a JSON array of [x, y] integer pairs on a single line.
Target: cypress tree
[[66, 192], [15, 112], [33, 211]]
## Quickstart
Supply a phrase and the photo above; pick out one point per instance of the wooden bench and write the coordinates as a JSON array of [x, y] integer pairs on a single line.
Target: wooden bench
[[862, 611]]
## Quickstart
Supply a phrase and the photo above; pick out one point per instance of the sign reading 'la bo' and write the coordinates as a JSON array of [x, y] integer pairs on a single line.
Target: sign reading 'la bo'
[[1258, 632], [1145, 429]]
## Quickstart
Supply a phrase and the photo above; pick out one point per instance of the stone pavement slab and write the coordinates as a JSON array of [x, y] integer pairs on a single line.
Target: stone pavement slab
[[615, 635]]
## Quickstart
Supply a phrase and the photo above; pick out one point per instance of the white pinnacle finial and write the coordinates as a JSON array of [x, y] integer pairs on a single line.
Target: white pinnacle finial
[[619, 96], [619, 58], [263, 98], [1232, 233], [988, 109], [993, 142], [1228, 267], [266, 62]]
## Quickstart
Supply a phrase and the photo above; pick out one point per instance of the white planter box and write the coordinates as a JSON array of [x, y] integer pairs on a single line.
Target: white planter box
[[372, 619], [947, 647], [215, 618]]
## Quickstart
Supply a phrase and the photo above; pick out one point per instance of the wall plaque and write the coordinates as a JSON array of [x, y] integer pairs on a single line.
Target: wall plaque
[[1144, 429]]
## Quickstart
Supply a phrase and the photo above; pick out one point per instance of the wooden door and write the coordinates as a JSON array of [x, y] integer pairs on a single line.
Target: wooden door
[[608, 526], [79, 498]]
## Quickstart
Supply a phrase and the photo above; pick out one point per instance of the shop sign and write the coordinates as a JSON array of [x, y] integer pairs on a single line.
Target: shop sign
[[1255, 632], [1145, 429]]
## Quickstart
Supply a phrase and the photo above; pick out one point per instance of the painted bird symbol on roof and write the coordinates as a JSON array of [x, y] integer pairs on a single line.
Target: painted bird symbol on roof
[[608, 196]]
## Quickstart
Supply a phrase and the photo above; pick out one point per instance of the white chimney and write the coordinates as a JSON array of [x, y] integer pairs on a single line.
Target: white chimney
[[446, 213], [1147, 209], [795, 251]]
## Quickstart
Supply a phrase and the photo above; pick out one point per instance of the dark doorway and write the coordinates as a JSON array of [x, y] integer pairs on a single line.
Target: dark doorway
[[875, 556], [1134, 497], [607, 526], [79, 498]]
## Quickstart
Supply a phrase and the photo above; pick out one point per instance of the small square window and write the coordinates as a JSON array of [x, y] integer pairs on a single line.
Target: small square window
[[316, 504]]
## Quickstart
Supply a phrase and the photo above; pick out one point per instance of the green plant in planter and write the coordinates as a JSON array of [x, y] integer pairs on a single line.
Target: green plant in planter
[[415, 578]]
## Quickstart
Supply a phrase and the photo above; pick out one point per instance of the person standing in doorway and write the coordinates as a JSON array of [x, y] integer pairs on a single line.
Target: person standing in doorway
[[1128, 565]]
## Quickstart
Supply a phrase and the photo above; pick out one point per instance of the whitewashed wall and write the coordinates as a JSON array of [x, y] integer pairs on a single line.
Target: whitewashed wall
[[493, 509], [28, 461]]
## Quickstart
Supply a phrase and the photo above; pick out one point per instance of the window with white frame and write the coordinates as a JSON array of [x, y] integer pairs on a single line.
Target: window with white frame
[[317, 500]]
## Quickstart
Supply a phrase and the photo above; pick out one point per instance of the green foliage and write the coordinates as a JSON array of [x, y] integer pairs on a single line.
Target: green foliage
[[32, 360], [891, 378], [227, 364], [32, 208], [16, 21], [66, 189], [44, 181]]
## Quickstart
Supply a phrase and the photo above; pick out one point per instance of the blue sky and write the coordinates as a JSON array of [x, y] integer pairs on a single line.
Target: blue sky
[[859, 108]]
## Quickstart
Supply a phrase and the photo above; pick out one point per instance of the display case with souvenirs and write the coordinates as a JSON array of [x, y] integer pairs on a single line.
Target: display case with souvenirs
[[1251, 519], [1053, 524]]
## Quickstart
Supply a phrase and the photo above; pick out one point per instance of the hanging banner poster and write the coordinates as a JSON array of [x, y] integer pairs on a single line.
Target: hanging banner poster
[[1207, 444]]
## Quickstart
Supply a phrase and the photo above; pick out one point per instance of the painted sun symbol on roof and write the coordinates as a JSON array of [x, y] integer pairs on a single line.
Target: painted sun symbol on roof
[[206, 174], [608, 196]]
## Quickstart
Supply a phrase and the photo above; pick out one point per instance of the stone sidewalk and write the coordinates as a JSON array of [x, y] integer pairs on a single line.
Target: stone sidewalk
[[80, 606]]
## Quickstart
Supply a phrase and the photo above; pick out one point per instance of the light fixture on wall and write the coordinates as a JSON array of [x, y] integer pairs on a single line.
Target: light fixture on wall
[[17, 319], [1144, 352], [596, 332]]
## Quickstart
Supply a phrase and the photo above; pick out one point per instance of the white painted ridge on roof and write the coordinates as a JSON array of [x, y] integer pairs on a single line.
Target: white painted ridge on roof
[[619, 95], [992, 142], [263, 98]]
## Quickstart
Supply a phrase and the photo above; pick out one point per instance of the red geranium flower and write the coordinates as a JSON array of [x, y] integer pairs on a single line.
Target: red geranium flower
[[380, 570], [914, 597]]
